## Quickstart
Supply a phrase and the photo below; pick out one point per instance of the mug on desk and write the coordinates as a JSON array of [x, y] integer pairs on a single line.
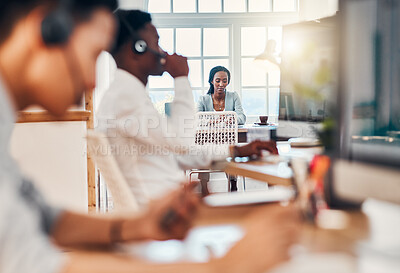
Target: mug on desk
[[263, 119]]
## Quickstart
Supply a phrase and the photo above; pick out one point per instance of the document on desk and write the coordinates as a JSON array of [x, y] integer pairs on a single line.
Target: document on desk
[[201, 245]]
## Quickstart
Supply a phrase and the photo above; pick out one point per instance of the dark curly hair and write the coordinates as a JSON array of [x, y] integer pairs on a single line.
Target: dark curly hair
[[213, 71]]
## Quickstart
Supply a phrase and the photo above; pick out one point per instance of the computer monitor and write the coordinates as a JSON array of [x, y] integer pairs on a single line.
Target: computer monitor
[[368, 137]]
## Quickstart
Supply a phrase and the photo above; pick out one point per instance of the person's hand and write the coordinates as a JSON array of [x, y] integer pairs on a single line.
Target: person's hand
[[255, 148], [171, 217], [176, 65], [270, 232]]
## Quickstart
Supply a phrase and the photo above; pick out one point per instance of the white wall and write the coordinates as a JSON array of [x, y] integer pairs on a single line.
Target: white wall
[[54, 156]]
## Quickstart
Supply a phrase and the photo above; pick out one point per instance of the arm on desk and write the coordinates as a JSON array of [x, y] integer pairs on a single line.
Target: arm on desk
[[270, 232], [167, 218], [254, 148]]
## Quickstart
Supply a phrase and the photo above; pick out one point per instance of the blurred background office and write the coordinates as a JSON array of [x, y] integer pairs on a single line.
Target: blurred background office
[[240, 28]]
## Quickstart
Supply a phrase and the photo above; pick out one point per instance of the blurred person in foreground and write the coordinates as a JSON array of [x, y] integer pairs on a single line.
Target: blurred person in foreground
[[160, 148], [37, 53]]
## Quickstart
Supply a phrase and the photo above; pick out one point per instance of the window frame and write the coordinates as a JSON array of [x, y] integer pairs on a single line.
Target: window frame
[[233, 21], [271, 4]]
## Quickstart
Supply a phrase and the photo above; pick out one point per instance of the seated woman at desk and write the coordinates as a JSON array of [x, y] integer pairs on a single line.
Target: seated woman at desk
[[217, 98]]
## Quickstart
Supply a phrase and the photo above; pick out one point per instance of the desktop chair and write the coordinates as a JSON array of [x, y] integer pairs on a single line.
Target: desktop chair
[[213, 129], [100, 151]]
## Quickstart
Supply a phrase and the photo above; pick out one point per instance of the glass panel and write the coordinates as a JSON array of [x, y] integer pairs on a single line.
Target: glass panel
[[284, 5], [216, 42], [275, 33], [234, 6], [259, 5], [208, 64], [253, 40], [159, 6], [165, 81], [254, 101], [159, 98], [166, 39], [197, 94], [273, 101], [252, 75], [274, 78], [210, 6], [188, 41], [195, 73], [184, 6]]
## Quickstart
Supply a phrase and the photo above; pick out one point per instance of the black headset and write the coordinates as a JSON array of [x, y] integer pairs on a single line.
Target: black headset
[[139, 46], [58, 25]]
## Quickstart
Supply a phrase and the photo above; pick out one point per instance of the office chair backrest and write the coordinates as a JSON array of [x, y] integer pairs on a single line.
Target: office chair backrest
[[101, 152], [216, 128]]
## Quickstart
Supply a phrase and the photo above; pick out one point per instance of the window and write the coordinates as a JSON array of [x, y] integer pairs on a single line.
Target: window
[[218, 6], [223, 32], [259, 6], [196, 43], [260, 90], [184, 6]]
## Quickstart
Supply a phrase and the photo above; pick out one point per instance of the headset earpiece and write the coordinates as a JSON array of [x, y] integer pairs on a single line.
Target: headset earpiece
[[139, 46], [58, 25]]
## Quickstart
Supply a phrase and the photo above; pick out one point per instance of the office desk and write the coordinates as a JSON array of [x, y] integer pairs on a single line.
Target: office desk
[[366, 241], [244, 130], [313, 238], [273, 173]]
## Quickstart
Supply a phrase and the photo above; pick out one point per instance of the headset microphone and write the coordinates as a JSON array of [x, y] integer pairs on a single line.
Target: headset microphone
[[161, 55]]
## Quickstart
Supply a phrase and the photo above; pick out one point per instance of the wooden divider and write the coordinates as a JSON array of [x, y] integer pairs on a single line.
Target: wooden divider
[[85, 115]]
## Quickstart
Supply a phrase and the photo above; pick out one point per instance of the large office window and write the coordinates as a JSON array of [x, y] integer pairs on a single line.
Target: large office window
[[198, 44], [218, 6], [223, 32]]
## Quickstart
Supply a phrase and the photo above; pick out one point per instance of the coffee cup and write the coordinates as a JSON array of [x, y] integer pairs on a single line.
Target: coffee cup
[[263, 119]]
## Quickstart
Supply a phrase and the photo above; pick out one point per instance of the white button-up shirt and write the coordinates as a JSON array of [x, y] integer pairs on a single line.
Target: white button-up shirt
[[151, 151]]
